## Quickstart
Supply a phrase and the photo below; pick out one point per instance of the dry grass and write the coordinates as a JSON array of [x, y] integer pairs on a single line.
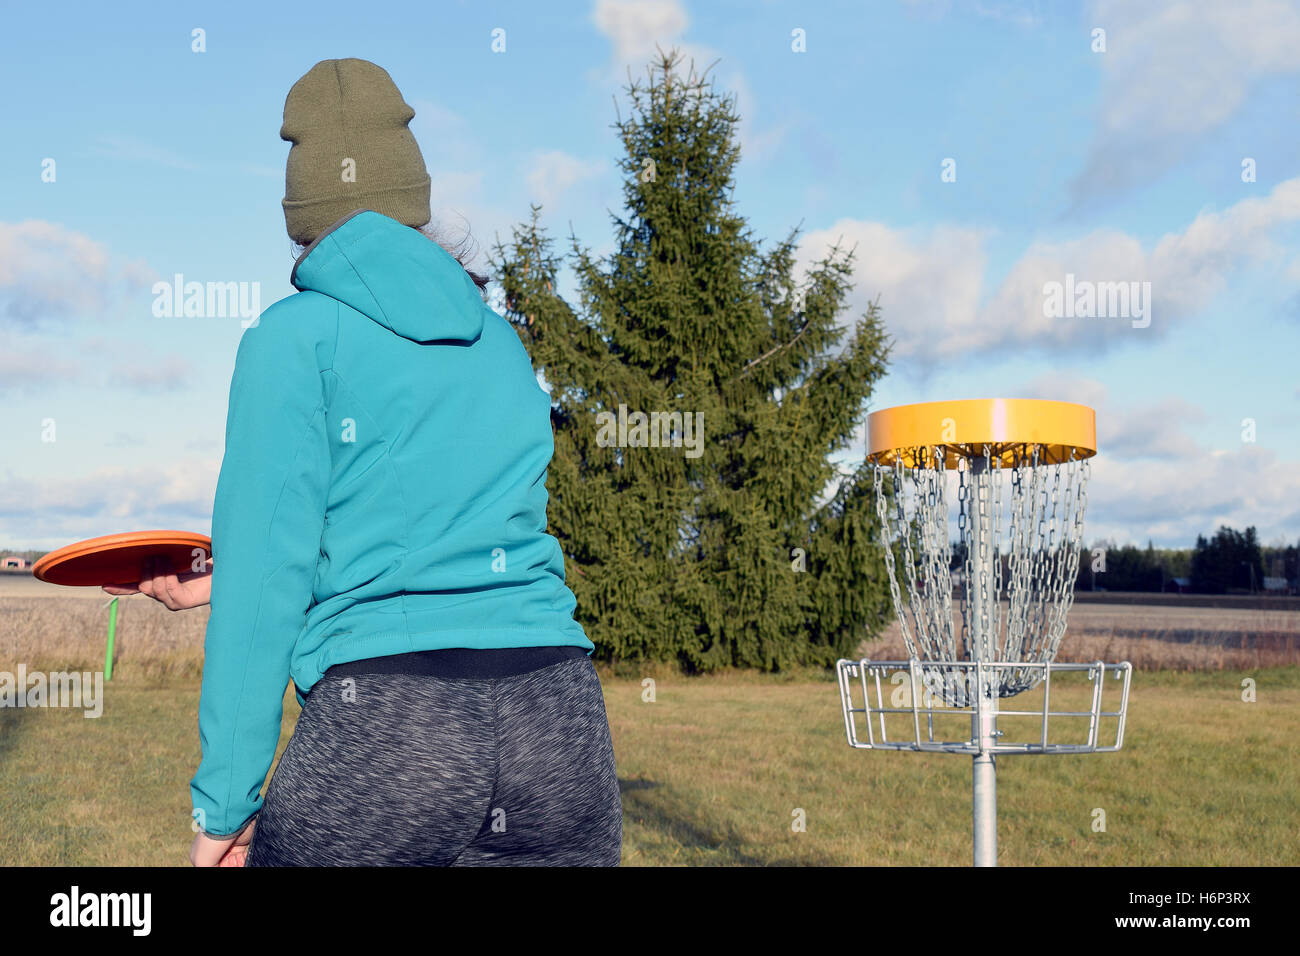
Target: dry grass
[[64, 628], [1159, 638], [69, 633]]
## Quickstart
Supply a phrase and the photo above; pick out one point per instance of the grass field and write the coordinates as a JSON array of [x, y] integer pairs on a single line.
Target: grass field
[[713, 771]]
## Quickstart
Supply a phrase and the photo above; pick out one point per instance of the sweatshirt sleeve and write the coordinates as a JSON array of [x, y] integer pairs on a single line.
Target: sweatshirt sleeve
[[267, 521]]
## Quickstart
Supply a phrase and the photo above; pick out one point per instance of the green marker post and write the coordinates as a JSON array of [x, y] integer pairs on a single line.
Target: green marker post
[[112, 632]]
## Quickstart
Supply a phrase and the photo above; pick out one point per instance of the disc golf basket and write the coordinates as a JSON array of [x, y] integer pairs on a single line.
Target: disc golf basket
[[1020, 471]]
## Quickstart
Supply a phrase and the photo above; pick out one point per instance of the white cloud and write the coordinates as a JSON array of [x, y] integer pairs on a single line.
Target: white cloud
[[23, 368], [634, 26], [1172, 72], [1173, 499], [1152, 479], [54, 511], [932, 290], [551, 173], [172, 373], [639, 29], [929, 282], [1127, 431], [48, 271], [47, 364]]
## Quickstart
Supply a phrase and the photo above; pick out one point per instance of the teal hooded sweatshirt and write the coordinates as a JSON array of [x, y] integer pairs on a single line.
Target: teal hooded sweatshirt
[[383, 490]]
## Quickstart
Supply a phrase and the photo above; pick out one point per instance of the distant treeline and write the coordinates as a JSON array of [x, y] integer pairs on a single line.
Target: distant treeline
[[1230, 561], [29, 555]]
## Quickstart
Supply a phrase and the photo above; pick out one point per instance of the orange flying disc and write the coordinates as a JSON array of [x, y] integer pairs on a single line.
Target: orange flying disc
[[117, 558]]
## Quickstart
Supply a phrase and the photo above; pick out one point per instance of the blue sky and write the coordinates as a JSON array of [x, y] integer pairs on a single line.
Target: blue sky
[[1115, 165]]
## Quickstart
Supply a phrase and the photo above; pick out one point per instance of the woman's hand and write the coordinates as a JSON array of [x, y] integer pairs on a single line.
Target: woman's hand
[[175, 591], [222, 851]]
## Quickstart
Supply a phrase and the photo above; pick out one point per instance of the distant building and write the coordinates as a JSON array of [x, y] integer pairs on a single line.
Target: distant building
[[1277, 586], [13, 562], [1178, 586]]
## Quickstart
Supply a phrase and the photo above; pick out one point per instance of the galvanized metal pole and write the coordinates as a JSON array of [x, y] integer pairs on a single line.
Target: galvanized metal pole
[[984, 794], [984, 782]]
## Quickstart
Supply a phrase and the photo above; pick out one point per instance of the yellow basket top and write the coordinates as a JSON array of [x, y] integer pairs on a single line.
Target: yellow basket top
[[1011, 427]]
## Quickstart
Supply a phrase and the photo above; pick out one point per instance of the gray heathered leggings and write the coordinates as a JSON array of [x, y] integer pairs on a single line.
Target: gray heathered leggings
[[431, 771]]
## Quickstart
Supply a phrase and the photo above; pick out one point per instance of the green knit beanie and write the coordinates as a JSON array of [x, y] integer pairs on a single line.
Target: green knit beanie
[[351, 150]]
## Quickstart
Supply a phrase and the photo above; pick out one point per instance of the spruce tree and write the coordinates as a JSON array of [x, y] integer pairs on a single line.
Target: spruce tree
[[757, 552]]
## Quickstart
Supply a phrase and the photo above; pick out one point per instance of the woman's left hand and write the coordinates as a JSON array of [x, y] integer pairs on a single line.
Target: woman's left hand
[[159, 581], [221, 851]]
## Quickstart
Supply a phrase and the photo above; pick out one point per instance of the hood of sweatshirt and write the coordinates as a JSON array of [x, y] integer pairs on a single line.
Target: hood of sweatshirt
[[396, 276]]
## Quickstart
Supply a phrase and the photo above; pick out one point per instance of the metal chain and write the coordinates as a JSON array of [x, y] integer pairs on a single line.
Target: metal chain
[[1044, 497], [968, 566], [886, 540], [981, 626], [996, 483]]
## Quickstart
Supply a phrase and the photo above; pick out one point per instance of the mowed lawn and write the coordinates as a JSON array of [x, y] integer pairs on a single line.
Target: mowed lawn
[[717, 769]]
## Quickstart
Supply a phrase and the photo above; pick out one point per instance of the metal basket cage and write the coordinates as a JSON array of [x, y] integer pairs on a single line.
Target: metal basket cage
[[939, 691]]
